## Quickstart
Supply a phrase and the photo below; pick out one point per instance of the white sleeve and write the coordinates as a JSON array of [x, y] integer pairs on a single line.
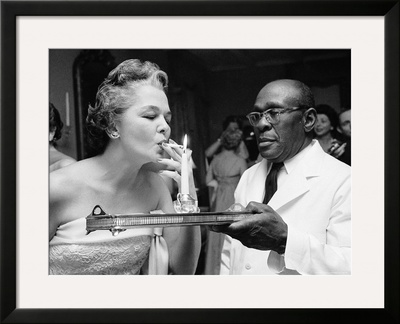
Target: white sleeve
[[226, 256]]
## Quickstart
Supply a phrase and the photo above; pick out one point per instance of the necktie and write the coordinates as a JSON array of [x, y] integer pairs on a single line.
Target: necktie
[[271, 182]]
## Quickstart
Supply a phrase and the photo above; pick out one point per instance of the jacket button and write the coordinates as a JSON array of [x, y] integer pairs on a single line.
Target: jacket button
[[248, 266]]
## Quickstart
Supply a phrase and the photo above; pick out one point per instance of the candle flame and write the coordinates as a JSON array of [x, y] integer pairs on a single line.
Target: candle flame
[[185, 143]]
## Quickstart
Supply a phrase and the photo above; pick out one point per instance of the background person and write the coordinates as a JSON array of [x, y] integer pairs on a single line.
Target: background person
[[128, 125], [305, 227], [344, 134], [57, 159], [223, 175], [325, 130], [231, 123]]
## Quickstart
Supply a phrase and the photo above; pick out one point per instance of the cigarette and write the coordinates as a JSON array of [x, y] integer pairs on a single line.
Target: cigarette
[[174, 145]]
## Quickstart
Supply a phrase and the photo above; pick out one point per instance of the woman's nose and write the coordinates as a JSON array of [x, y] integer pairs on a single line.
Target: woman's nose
[[164, 127]]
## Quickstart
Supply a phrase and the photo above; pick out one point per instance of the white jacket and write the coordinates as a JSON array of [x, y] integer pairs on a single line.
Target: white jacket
[[315, 202]]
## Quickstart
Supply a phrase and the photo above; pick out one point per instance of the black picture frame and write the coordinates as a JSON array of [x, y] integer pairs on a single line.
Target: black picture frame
[[10, 10]]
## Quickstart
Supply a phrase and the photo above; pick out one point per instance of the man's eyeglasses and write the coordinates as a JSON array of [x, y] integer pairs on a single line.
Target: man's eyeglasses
[[272, 115]]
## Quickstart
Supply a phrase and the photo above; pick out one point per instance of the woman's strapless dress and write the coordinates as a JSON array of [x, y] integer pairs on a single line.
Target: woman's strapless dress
[[131, 252]]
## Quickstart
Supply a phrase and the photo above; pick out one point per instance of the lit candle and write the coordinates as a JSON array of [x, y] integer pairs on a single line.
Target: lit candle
[[67, 118], [184, 169]]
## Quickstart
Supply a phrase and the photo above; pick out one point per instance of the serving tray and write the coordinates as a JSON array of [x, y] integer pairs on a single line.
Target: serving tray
[[100, 220]]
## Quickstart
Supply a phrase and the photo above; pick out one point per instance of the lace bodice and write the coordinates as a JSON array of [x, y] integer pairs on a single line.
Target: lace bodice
[[73, 252], [123, 256]]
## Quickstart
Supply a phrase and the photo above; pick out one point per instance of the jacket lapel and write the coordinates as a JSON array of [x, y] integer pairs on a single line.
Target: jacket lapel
[[297, 182], [256, 184]]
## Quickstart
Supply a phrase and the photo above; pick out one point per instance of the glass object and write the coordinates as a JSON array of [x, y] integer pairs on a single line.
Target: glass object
[[272, 115]]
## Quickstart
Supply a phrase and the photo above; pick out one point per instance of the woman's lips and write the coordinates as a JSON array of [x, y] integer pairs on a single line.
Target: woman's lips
[[162, 142]]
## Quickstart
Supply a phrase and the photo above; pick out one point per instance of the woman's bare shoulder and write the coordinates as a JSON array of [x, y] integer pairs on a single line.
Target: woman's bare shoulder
[[67, 187], [63, 186], [65, 161], [67, 181]]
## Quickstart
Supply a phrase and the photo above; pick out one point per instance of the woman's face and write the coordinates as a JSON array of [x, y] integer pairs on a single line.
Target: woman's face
[[232, 126], [323, 125], [145, 124]]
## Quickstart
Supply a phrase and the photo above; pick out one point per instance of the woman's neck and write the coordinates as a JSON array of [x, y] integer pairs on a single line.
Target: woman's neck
[[326, 137]]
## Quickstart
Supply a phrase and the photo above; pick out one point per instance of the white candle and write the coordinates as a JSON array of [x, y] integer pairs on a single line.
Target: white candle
[[184, 169], [67, 118]]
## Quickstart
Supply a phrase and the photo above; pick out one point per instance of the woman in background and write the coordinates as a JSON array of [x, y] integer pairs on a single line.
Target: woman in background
[[231, 123], [129, 126], [223, 175], [325, 130], [57, 159]]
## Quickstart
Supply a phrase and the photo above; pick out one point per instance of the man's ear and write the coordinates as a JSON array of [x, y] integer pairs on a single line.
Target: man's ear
[[339, 130], [309, 119]]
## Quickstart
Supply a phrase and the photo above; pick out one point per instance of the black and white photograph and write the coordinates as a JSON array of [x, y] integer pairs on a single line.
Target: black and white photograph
[[197, 132], [199, 161]]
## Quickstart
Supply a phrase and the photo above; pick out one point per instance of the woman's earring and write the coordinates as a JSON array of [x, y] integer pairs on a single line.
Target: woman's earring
[[114, 135]]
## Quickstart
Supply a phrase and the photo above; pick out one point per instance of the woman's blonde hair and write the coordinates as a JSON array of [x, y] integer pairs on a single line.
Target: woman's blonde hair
[[115, 95]]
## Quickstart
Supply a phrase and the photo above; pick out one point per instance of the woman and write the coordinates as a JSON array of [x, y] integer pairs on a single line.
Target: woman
[[231, 123], [223, 175], [129, 125], [57, 159], [325, 128]]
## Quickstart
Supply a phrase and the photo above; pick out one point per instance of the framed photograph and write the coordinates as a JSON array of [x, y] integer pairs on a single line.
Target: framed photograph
[[34, 33]]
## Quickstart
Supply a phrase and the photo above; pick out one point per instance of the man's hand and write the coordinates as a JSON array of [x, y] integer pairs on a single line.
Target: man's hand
[[265, 230]]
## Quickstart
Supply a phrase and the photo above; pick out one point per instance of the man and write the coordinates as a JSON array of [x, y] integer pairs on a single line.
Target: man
[[344, 129], [305, 228]]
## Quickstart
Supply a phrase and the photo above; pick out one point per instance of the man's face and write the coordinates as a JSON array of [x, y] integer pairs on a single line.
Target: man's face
[[285, 139], [345, 123]]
